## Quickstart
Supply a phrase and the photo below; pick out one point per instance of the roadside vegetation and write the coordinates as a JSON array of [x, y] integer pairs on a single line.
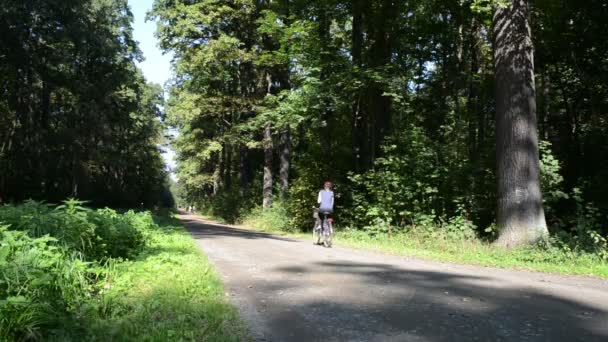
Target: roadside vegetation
[[407, 107], [69, 273], [455, 241]]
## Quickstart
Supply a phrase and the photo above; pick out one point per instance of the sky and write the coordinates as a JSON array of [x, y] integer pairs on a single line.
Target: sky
[[156, 66]]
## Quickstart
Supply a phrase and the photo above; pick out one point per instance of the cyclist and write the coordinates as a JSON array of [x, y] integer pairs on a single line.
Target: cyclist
[[326, 200]]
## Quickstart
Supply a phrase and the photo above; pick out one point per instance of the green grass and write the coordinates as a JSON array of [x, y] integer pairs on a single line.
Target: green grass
[[471, 252], [479, 253], [70, 273], [170, 292]]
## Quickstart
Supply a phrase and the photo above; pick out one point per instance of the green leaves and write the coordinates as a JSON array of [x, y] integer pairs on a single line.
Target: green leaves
[[486, 6], [90, 127]]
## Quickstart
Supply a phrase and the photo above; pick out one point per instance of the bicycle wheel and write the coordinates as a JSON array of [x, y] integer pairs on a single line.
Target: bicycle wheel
[[326, 233], [316, 234]]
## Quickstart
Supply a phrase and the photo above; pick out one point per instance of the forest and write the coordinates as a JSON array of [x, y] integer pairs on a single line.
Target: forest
[[466, 131], [487, 114], [77, 118]]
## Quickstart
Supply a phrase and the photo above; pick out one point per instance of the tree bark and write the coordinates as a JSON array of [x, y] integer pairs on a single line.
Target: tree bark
[[546, 105], [520, 215], [244, 170], [327, 111], [380, 57], [359, 116], [285, 161], [228, 168], [267, 186], [219, 171]]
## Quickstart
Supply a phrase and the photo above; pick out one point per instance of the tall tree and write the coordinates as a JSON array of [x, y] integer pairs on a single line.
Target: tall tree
[[520, 215]]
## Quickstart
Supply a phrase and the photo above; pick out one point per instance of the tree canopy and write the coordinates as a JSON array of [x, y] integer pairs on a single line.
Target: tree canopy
[[394, 101], [76, 115]]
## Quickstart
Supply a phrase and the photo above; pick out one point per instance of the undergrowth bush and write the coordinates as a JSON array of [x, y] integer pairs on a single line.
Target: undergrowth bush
[[95, 234], [271, 219], [40, 284], [229, 206], [302, 197], [53, 259]]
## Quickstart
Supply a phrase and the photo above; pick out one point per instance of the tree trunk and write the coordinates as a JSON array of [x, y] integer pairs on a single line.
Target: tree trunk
[[244, 170], [267, 186], [285, 160], [520, 215], [327, 111], [219, 171], [473, 100], [228, 168], [380, 57], [546, 105], [359, 116]]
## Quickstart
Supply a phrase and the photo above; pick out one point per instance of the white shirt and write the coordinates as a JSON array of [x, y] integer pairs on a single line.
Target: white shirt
[[326, 200]]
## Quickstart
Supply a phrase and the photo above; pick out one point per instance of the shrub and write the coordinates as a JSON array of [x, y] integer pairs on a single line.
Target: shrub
[[45, 282], [302, 197], [402, 183], [94, 234], [119, 235], [271, 219], [39, 284]]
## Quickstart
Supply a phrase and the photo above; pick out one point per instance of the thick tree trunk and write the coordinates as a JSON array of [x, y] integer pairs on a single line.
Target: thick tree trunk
[[380, 57], [267, 186], [520, 215], [285, 160]]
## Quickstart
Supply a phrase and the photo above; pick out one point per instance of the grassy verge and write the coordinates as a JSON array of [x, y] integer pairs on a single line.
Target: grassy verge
[[479, 253], [170, 292], [472, 252], [69, 273]]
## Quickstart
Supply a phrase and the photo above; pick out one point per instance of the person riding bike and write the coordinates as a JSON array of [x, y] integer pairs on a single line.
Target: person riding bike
[[325, 201]]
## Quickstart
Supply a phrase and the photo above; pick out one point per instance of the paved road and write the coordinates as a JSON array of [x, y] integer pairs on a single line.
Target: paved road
[[290, 290]]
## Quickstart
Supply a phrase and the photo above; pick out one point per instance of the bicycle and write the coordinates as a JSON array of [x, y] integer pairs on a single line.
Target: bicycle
[[323, 229]]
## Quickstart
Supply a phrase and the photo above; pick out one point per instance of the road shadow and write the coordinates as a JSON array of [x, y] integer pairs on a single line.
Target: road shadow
[[398, 304], [206, 230], [371, 301]]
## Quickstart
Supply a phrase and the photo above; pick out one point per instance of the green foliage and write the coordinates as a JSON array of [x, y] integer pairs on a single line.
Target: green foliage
[[49, 292], [45, 279], [41, 285], [94, 234], [228, 205], [402, 184], [77, 117], [272, 219], [395, 104], [551, 180], [302, 198], [168, 292], [588, 228]]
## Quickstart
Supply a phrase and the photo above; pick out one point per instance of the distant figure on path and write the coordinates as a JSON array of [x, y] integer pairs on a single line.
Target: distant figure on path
[[326, 199]]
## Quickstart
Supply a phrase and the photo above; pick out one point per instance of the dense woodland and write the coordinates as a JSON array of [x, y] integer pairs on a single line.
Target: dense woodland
[[77, 118], [417, 110], [449, 127], [488, 114]]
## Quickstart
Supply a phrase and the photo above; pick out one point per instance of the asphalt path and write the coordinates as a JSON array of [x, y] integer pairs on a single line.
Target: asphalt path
[[291, 290]]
